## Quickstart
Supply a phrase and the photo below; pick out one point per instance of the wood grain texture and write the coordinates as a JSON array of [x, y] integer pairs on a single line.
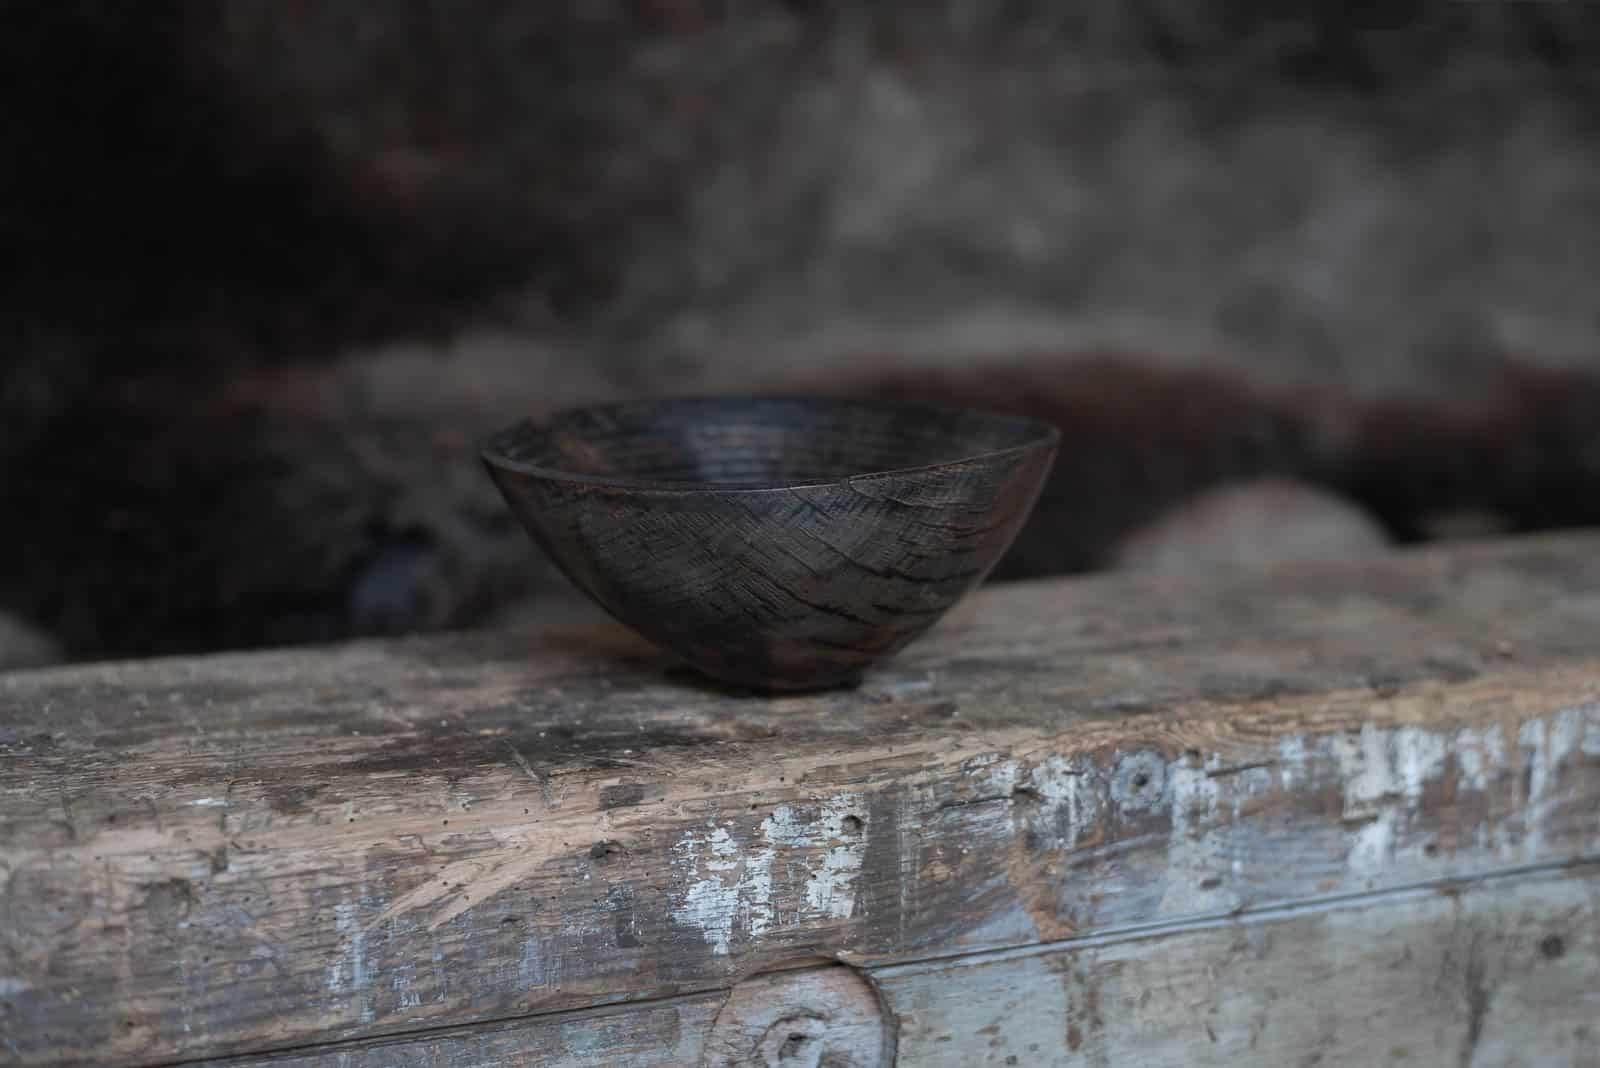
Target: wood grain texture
[[1503, 973], [1500, 971], [667, 1034], [827, 1015], [243, 853], [816, 1016], [775, 543]]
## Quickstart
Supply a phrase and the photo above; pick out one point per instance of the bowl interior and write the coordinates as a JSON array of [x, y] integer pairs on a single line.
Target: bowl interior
[[754, 441]]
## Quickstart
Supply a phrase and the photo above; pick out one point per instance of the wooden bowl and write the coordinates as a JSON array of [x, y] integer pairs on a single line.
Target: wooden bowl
[[774, 543]]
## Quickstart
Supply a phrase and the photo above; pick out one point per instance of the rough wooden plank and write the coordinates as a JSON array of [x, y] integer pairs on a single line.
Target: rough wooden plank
[[1503, 973], [665, 1034], [828, 1015], [252, 852]]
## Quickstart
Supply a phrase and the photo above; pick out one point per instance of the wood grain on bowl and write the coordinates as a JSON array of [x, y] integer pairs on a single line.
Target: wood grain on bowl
[[775, 543]]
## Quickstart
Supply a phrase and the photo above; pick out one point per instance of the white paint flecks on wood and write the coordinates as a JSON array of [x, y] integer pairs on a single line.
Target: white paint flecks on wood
[[477, 830], [729, 883], [1498, 973]]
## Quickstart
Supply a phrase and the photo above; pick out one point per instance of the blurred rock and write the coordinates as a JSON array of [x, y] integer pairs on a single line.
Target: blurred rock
[[554, 608], [25, 646], [1252, 524], [1464, 525]]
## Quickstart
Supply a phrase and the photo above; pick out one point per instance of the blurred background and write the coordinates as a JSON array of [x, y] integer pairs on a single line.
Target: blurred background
[[1298, 279]]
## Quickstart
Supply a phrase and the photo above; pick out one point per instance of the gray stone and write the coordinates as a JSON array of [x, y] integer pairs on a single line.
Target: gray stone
[[1252, 524], [25, 646]]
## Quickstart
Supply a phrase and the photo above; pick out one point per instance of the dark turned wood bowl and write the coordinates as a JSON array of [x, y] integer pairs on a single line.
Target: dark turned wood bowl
[[774, 543]]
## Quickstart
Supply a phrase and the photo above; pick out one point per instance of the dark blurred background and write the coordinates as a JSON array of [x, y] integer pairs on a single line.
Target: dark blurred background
[[1296, 278]]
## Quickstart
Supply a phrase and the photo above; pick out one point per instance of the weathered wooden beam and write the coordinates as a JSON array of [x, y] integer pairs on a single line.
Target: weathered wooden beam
[[1491, 972], [1502, 972], [670, 1033], [246, 853]]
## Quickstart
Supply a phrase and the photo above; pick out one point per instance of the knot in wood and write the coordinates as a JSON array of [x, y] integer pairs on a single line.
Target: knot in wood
[[795, 1042], [826, 1017], [1139, 782]]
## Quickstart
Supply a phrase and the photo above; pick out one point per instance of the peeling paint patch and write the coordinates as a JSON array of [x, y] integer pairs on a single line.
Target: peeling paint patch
[[1481, 755], [731, 889], [1196, 848], [1545, 745], [1292, 758], [1372, 844], [709, 904], [1591, 731], [1067, 805], [1071, 804], [347, 975], [1382, 765], [830, 890], [1384, 772], [1204, 857]]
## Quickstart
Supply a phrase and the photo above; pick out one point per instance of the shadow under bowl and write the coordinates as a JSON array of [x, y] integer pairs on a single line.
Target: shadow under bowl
[[774, 543]]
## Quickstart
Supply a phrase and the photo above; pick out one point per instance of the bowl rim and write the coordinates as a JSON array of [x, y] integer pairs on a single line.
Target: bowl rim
[[1045, 436]]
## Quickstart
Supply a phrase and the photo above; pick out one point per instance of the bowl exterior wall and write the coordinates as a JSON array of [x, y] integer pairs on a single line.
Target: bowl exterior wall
[[784, 589]]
